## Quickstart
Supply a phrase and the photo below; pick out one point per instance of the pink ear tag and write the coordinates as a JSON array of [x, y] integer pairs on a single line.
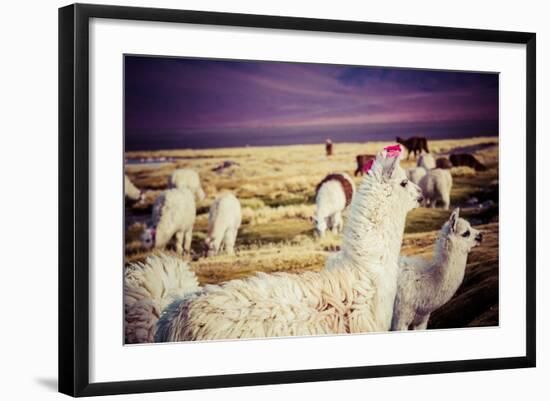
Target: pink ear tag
[[393, 151]]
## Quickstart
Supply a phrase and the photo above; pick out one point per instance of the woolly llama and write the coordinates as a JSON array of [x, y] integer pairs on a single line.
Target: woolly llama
[[436, 186], [224, 220], [173, 214], [357, 296], [187, 178], [149, 288], [132, 192], [426, 160], [424, 286], [333, 195]]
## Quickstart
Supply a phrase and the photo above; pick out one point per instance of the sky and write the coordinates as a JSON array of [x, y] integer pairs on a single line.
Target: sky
[[198, 103]]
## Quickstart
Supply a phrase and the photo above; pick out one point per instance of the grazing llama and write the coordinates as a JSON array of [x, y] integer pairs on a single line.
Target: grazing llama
[[173, 214], [415, 144], [187, 178], [333, 195], [424, 286], [224, 220], [149, 287], [436, 186], [466, 159], [356, 296]]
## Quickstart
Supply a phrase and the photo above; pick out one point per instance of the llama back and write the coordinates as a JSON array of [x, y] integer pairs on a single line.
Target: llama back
[[187, 178], [284, 304], [345, 182], [176, 206]]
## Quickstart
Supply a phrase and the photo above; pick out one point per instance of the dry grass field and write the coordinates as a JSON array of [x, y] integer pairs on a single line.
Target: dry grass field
[[276, 188]]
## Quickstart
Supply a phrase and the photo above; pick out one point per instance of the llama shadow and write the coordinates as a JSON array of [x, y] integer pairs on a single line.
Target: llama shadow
[[49, 383]]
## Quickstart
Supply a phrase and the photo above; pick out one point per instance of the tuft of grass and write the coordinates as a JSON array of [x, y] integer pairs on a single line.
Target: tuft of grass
[[267, 215], [462, 171]]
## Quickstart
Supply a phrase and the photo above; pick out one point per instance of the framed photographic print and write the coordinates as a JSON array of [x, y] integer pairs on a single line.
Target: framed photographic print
[[279, 199]]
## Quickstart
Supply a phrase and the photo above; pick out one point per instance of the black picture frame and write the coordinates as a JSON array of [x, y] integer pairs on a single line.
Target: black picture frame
[[74, 198]]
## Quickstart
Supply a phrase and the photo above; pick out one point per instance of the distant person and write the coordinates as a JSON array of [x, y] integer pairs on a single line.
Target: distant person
[[328, 147]]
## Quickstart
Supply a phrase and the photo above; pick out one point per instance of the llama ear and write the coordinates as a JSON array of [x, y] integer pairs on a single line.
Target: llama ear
[[453, 220], [390, 166]]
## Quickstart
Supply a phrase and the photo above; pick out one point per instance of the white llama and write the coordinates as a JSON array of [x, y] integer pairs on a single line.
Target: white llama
[[424, 286], [436, 186], [149, 287], [426, 160], [333, 195], [357, 296], [187, 178], [173, 214], [224, 220], [415, 174]]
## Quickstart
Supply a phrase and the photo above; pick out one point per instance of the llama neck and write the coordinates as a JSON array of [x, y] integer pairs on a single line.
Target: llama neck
[[374, 232], [371, 244], [449, 263]]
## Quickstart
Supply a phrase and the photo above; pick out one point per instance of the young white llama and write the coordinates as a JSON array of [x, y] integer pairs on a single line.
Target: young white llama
[[357, 296], [224, 220], [424, 286], [426, 160], [333, 195], [149, 287], [187, 178], [436, 186], [173, 214]]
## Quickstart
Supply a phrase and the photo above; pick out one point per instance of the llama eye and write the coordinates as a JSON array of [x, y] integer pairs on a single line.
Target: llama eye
[[466, 234], [404, 183]]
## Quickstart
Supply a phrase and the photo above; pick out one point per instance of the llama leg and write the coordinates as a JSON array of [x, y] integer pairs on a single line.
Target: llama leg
[[179, 242], [446, 202], [229, 241], [421, 323], [335, 222], [215, 245], [188, 239], [330, 222], [402, 317], [400, 324], [338, 223]]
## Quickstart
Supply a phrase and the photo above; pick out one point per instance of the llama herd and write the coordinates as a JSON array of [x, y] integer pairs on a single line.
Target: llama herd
[[364, 287]]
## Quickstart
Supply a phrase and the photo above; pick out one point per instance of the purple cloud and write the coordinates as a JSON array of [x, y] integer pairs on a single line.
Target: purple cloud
[[184, 95]]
